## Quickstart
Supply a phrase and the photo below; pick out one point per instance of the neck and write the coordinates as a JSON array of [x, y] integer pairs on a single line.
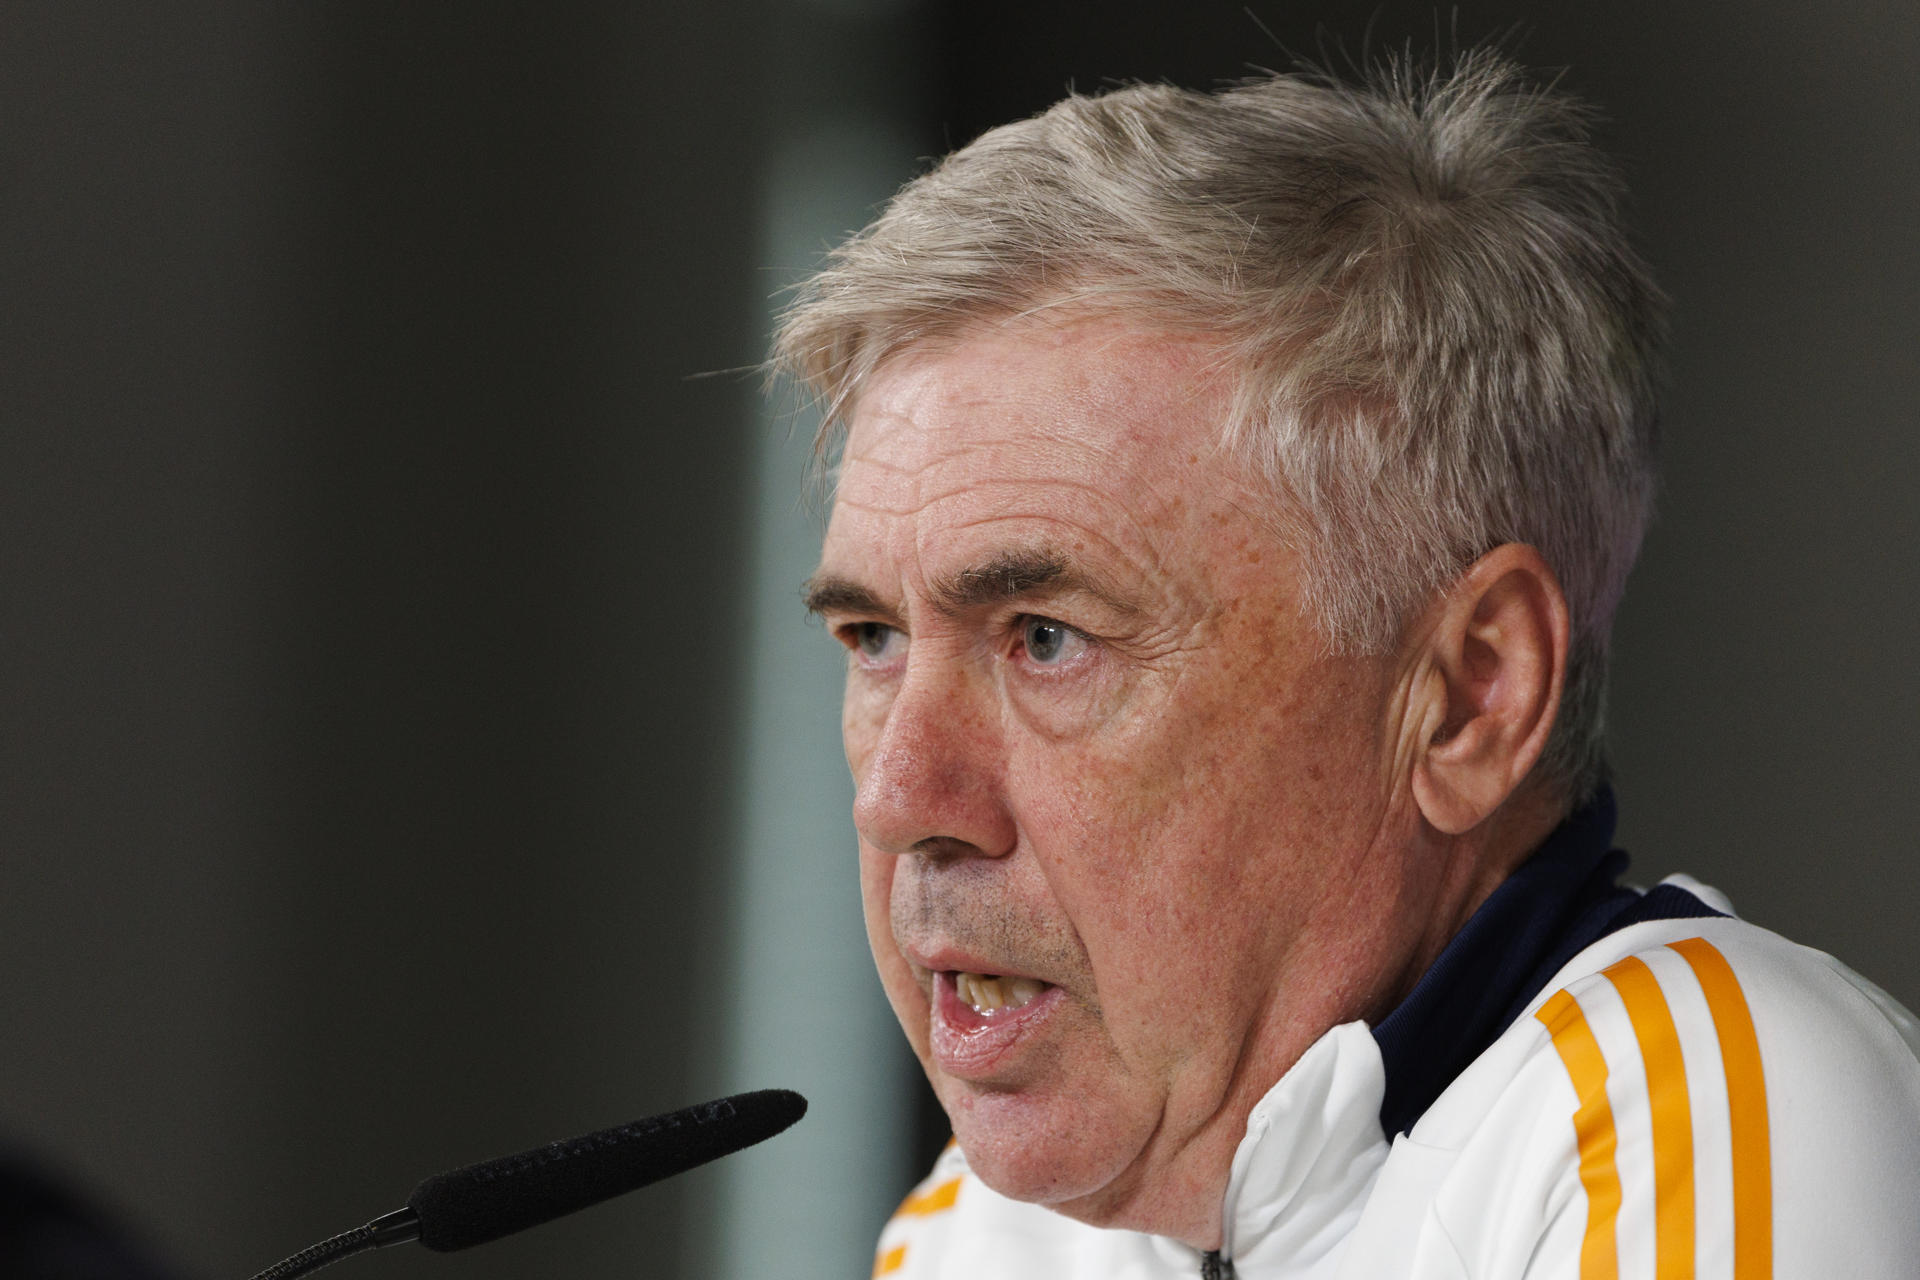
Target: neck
[[1441, 882], [1473, 864]]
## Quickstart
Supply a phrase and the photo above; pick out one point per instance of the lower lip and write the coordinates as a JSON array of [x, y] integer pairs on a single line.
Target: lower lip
[[971, 1045]]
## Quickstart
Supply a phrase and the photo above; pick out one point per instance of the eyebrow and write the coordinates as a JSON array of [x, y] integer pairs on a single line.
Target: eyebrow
[[830, 593], [1009, 575]]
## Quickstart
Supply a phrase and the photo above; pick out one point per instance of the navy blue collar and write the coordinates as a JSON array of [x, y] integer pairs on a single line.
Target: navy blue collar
[[1560, 901]]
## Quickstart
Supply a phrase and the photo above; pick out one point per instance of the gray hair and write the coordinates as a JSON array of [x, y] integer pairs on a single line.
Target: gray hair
[[1442, 337]]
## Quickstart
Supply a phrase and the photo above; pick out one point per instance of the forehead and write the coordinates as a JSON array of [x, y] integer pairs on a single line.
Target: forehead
[[1103, 388], [1092, 434]]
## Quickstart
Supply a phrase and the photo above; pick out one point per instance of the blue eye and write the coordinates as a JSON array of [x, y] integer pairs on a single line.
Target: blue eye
[[1048, 642], [873, 639]]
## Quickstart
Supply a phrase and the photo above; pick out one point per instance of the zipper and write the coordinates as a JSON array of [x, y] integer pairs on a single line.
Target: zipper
[[1215, 1267]]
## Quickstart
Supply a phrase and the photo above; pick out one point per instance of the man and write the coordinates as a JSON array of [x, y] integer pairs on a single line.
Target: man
[[1234, 495]]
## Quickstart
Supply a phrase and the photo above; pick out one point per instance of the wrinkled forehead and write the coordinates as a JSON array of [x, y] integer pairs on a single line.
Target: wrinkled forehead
[[1097, 442], [1075, 399]]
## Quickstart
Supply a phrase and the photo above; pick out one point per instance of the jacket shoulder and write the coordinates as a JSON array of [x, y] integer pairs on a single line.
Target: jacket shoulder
[[1697, 1088]]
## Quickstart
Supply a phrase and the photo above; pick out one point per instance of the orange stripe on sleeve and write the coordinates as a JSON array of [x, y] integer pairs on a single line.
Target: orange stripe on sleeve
[[1746, 1105], [923, 1203], [1673, 1219], [1593, 1129], [890, 1261]]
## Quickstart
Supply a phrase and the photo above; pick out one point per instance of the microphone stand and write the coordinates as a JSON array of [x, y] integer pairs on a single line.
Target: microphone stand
[[485, 1201], [397, 1227]]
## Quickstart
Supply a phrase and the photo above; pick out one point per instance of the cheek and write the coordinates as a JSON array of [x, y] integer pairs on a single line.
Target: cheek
[[903, 990], [876, 891], [1119, 840], [1192, 838], [863, 712], [876, 887]]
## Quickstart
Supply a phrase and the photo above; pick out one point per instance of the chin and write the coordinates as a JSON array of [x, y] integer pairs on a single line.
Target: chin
[[1037, 1150]]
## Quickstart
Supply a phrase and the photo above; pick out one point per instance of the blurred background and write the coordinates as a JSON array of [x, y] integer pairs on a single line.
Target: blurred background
[[412, 747]]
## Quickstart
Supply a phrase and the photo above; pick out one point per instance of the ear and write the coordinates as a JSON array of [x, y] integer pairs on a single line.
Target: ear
[[1494, 660]]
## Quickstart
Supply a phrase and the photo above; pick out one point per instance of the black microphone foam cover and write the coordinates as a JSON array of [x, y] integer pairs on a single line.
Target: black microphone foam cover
[[485, 1201]]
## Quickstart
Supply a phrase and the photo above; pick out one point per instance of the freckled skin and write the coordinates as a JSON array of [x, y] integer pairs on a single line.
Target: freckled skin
[[1196, 823]]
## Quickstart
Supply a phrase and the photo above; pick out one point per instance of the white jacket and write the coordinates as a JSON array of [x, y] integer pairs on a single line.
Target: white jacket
[[1684, 1098]]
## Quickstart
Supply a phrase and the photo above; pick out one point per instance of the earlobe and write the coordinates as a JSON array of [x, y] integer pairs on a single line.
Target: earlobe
[[1497, 641]]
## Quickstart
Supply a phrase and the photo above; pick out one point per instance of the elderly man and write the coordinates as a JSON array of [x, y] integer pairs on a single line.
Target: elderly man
[[1233, 497]]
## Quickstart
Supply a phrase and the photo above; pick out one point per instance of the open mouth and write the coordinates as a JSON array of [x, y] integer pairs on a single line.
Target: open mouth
[[980, 1020], [991, 993]]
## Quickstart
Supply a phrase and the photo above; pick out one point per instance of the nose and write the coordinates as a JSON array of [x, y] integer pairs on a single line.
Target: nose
[[934, 781]]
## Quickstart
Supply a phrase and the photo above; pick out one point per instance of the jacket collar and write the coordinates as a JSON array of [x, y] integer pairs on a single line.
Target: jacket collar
[[1556, 903], [1316, 1141]]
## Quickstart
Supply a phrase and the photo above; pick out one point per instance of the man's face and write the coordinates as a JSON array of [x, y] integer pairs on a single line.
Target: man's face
[[1120, 815]]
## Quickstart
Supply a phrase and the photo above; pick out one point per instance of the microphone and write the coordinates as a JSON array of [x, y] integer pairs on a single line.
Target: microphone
[[495, 1198]]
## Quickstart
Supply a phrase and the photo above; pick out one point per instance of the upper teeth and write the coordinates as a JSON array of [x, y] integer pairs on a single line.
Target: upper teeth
[[988, 992]]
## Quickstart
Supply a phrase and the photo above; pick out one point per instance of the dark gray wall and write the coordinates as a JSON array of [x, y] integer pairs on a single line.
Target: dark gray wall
[[368, 606]]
